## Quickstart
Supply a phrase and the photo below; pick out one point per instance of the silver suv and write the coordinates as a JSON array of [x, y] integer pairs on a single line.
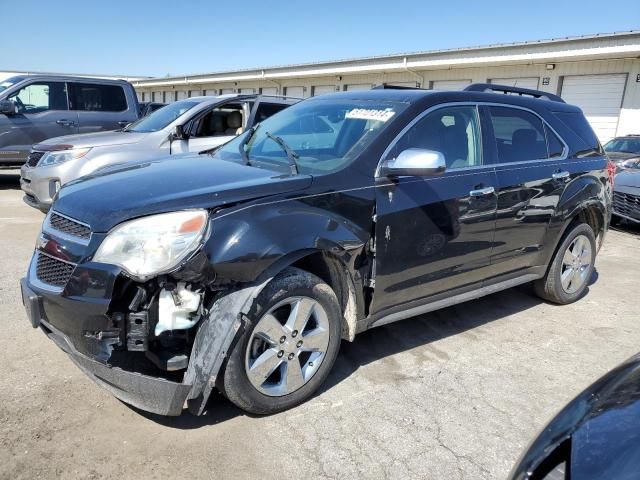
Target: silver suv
[[190, 125]]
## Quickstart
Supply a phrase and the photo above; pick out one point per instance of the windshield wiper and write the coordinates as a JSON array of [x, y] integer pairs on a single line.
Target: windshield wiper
[[291, 154]]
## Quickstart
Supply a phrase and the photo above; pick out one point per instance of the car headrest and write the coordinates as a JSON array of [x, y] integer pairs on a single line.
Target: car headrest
[[234, 120], [216, 123]]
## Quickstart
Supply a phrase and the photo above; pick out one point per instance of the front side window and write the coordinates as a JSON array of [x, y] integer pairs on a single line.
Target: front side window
[[452, 131], [224, 121], [161, 117], [97, 98], [40, 97], [325, 135], [519, 135]]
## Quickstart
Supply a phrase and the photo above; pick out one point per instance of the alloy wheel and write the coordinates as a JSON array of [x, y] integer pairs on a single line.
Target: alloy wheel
[[287, 346], [576, 264]]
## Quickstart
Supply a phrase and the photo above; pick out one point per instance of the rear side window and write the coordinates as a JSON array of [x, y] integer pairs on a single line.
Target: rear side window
[[519, 135], [579, 125], [40, 97], [555, 146], [97, 98]]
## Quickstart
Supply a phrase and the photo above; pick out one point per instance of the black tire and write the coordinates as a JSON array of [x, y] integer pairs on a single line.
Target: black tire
[[291, 283], [550, 286]]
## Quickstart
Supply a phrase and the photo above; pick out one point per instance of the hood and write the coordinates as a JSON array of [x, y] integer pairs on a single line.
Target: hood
[[99, 139], [619, 156], [112, 196], [629, 177]]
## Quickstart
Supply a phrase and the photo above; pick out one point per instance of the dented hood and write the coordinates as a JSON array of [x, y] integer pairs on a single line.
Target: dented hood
[[115, 195]]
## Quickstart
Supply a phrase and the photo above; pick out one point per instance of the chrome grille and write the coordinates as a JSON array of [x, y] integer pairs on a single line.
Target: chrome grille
[[53, 271], [626, 204], [68, 226], [34, 157]]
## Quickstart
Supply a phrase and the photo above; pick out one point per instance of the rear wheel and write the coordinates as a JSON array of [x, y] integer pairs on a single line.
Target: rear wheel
[[289, 347], [569, 273]]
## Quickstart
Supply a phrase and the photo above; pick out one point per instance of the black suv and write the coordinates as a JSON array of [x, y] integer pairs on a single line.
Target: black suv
[[243, 269]]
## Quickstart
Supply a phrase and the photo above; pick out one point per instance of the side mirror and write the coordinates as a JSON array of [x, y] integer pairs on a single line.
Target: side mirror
[[8, 107], [415, 162], [178, 133]]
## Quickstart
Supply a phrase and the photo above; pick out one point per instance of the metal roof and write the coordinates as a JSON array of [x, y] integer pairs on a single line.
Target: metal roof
[[406, 56]]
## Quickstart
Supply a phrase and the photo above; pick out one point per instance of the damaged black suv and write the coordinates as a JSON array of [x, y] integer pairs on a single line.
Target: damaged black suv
[[243, 269]]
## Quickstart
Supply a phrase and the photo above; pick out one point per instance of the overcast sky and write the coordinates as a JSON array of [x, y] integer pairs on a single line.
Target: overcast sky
[[161, 37]]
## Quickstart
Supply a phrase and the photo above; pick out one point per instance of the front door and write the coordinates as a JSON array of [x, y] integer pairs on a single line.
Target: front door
[[42, 114], [435, 234]]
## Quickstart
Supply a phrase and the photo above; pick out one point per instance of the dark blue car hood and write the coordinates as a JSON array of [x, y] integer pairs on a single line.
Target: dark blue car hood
[[121, 193]]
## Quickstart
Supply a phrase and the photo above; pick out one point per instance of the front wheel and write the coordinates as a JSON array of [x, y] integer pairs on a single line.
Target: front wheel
[[289, 347], [571, 268]]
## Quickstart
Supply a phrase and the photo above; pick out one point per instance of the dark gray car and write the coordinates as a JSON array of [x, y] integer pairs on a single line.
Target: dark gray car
[[624, 151], [36, 108], [626, 195]]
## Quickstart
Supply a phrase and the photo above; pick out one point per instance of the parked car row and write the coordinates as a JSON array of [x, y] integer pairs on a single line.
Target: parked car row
[[191, 125], [243, 269]]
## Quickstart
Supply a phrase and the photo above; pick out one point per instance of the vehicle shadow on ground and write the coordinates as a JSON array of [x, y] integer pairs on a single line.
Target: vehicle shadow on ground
[[9, 180], [626, 226], [386, 341]]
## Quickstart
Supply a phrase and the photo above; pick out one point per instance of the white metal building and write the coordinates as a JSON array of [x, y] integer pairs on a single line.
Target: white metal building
[[599, 73]]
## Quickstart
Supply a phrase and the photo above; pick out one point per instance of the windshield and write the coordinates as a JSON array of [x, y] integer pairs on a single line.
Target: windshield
[[161, 117], [623, 145], [325, 135], [9, 82]]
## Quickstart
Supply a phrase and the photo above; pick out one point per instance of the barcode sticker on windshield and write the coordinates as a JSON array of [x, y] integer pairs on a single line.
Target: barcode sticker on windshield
[[368, 114]]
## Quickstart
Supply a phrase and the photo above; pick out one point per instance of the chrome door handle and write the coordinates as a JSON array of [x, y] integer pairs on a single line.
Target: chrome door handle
[[482, 192], [66, 123], [561, 175]]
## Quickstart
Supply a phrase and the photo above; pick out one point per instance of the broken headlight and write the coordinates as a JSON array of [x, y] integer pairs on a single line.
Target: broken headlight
[[156, 244]]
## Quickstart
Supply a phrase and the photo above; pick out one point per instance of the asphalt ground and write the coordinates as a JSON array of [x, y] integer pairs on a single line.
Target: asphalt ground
[[456, 394]]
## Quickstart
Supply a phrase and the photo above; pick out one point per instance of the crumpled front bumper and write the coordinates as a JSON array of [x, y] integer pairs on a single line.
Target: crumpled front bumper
[[152, 394]]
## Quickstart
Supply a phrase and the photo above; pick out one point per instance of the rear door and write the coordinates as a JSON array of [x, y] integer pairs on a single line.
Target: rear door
[[434, 234], [532, 171], [42, 114], [100, 107]]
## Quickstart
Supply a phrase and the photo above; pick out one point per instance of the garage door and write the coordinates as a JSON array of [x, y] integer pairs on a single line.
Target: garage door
[[358, 86], [599, 97], [212, 91], [294, 91], [402, 84], [522, 82], [181, 95], [450, 84], [157, 97], [322, 89], [169, 97], [269, 90], [226, 91], [247, 91], [195, 93]]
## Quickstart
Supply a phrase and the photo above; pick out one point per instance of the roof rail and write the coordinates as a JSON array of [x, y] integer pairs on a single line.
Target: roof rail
[[491, 87], [391, 86]]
